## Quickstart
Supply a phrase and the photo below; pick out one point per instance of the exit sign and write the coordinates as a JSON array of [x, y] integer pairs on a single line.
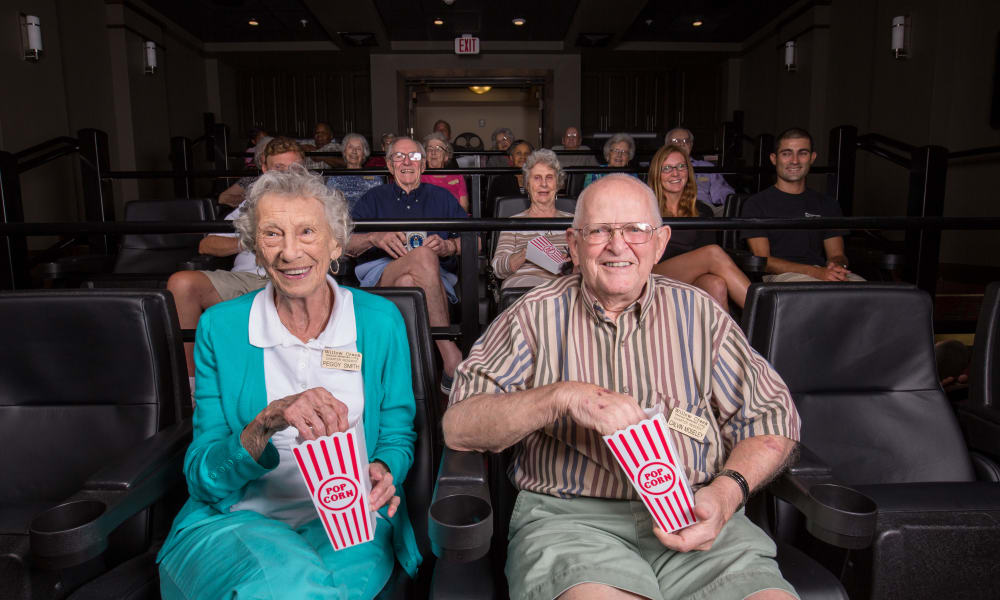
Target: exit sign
[[467, 45]]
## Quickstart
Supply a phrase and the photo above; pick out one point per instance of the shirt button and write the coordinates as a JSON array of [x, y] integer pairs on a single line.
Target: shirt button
[[302, 386], [625, 390], [212, 475]]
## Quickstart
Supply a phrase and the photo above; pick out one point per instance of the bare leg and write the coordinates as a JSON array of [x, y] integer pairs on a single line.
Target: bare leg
[[419, 268], [716, 288], [689, 266], [771, 595], [596, 591], [193, 294]]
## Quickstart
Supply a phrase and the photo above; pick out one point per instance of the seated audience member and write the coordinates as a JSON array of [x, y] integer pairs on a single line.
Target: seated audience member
[[539, 380], [692, 256], [796, 255], [256, 135], [712, 187], [443, 127], [195, 291], [233, 195], [502, 139], [386, 259], [542, 176], [571, 141], [378, 160], [355, 152], [619, 151], [249, 528], [512, 185], [323, 142], [439, 153]]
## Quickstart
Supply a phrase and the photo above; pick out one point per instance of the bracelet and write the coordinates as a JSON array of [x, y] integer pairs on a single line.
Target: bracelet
[[740, 481]]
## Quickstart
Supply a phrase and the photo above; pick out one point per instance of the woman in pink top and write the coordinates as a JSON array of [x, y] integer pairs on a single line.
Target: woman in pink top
[[438, 154]]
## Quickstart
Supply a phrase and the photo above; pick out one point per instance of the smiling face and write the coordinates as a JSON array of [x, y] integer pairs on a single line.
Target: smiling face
[[672, 178], [294, 244], [406, 172], [503, 141], [542, 184], [616, 271], [281, 162], [680, 137], [437, 154], [519, 154], [618, 154], [793, 159], [571, 139], [354, 153]]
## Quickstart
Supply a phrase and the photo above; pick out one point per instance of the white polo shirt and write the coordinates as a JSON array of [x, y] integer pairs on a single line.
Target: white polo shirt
[[290, 367]]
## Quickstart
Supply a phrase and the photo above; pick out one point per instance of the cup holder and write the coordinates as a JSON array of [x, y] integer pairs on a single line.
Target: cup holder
[[461, 510], [842, 498], [68, 516]]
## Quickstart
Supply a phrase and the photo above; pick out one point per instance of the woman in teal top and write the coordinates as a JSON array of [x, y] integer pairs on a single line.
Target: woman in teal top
[[247, 529]]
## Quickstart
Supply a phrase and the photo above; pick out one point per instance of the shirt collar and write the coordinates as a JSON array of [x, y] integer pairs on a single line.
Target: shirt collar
[[640, 307], [401, 193], [267, 331]]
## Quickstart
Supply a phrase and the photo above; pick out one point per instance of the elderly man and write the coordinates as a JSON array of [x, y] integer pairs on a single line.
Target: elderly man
[[810, 255], [395, 259], [712, 187], [583, 356], [571, 141], [323, 142]]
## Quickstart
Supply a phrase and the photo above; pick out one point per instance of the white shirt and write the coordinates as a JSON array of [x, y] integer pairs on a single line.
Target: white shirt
[[245, 261], [292, 366]]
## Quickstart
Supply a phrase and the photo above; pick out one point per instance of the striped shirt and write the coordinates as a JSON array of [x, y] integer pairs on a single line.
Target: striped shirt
[[511, 242], [674, 346]]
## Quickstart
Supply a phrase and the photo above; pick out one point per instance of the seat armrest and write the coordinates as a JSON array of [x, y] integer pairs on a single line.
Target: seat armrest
[[206, 262], [460, 519], [747, 262], [835, 513], [77, 530], [981, 428], [74, 266]]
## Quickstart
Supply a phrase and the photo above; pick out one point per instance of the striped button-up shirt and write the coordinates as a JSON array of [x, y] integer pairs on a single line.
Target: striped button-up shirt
[[674, 346]]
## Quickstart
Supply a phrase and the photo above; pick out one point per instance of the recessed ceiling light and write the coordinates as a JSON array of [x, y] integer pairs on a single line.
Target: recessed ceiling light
[[697, 23], [519, 21], [253, 22], [439, 22]]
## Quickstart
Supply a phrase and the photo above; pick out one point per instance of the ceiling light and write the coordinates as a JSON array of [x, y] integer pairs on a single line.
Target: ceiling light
[[697, 23], [480, 89], [518, 21], [253, 22], [439, 22]]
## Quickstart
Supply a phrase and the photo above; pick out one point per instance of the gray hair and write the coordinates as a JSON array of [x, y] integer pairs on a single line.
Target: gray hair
[[392, 147], [544, 156], [666, 138], [498, 131], [616, 138], [258, 151], [365, 148], [296, 182], [437, 135], [654, 206]]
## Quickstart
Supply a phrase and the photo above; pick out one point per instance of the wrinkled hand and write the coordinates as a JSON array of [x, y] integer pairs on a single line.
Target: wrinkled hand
[[393, 242], [314, 412], [439, 246], [713, 507], [383, 489], [599, 408]]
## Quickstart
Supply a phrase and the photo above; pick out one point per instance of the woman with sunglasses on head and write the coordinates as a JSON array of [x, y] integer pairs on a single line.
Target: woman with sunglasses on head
[[692, 256]]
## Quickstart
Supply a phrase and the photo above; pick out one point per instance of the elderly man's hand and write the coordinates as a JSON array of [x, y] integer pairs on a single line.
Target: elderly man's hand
[[713, 507], [383, 489], [439, 246], [393, 242], [599, 408]]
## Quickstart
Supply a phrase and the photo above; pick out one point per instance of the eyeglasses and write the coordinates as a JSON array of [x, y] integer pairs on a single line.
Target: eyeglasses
[[680, 141], [401, 156], [632, 233], [434, 150], [668, 168], [572, 135], [618, 151]]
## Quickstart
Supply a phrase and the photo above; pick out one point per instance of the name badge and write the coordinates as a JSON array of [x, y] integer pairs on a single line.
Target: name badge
[[690, 425], [341, 359]]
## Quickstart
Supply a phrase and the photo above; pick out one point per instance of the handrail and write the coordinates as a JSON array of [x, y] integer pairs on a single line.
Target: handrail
[[974, 152], [44, 158], [886, 154], [886, 140], [56, 140]]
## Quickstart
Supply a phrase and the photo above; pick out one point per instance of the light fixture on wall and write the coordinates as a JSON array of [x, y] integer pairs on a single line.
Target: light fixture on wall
[[480, 89], [790, 56], [31, 37], [149, 57], [901, 36]]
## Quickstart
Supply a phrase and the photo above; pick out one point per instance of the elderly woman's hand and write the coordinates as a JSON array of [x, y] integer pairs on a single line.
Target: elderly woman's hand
[[314, 412], [383, 489]]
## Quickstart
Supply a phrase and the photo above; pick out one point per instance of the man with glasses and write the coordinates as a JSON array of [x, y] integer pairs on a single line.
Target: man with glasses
[[581, 357], [712, 187], [426, 259], [571, 140]]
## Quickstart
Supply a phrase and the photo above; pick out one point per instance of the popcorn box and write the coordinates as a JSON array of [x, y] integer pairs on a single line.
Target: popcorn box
[[646, 454], [543, 253], [335, 469]]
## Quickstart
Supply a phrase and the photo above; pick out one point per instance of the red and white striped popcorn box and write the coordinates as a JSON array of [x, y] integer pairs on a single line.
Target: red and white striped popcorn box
[[544, 253], [648, 457], [335, 469]]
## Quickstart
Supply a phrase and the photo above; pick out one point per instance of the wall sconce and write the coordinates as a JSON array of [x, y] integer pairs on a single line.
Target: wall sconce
[[149, 58], [901, 37], [480, 89], [31, 37], [790, 64]]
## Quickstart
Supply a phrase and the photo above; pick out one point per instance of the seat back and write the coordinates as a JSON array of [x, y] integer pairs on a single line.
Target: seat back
[[161, 252], [984, 381], [733, 208], [859, 361]]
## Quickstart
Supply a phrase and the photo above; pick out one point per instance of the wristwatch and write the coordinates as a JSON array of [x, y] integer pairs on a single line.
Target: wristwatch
[[740, 481]]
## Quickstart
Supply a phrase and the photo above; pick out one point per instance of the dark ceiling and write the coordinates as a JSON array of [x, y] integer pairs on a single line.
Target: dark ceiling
[[413, 20]]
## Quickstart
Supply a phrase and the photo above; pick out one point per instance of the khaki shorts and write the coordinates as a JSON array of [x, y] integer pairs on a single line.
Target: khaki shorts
[[231, 284], [790, 277], [558, 543]]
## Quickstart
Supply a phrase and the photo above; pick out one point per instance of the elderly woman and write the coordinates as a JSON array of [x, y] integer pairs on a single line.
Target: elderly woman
[[439, 151], [249, 528], [503, 137], [619, 151], [512, 185], [355, 150], [692, 256], [542, 177]]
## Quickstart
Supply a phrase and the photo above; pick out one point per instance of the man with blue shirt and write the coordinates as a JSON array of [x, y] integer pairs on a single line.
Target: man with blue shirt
[[388, 259], [712, 187]]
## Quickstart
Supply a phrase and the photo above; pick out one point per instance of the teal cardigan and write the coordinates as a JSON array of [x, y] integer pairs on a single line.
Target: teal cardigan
[[230, 392]]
